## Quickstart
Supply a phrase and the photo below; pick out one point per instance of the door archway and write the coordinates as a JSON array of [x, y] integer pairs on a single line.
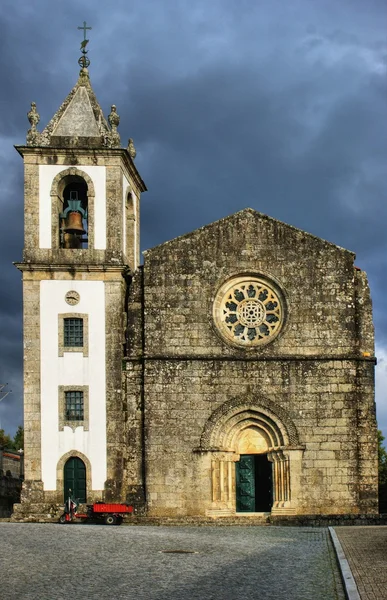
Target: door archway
[[253, 472], [74, 478], [257, 433]]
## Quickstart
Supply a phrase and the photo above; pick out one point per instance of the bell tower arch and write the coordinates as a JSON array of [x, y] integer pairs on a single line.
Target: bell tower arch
[[80, 240], [72, 210]]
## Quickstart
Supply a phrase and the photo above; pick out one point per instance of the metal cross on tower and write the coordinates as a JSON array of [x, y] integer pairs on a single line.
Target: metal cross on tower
[[84, 27], [84, 62]]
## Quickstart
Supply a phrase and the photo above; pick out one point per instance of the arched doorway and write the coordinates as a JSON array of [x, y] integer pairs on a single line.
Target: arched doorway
[[253, 472], [75, 479], [250, 448]]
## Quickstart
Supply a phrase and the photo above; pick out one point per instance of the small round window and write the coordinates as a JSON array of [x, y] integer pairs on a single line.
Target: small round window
[[249, 311]]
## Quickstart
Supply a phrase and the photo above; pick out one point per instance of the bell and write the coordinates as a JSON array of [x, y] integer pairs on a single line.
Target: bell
[[73, 223]]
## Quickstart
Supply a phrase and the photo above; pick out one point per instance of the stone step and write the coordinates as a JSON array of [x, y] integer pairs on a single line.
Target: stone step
[[218, 521]]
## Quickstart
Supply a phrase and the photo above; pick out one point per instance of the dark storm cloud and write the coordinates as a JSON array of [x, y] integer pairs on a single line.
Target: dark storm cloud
[[273, 105]]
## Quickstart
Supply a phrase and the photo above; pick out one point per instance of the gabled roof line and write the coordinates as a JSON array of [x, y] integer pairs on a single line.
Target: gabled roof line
[[254, 212]]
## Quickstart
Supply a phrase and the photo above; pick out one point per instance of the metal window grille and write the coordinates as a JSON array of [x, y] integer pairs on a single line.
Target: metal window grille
[[74, 406], [73, 332]]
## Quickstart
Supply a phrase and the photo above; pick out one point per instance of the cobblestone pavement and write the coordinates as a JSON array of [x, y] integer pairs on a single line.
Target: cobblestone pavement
[[365, 549], [74, 562]]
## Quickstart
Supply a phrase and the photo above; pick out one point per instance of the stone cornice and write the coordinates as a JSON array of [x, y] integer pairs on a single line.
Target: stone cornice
[[86, 268], [228, 358]]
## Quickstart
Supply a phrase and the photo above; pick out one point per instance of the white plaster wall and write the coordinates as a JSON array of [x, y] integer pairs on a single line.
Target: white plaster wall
[[73, 369], [46, 176]]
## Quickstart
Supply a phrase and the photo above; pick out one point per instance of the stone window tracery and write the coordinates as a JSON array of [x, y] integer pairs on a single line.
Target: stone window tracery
[[249, 311]]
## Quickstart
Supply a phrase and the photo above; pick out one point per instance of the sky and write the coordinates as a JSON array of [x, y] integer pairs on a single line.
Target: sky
[[277, 105]]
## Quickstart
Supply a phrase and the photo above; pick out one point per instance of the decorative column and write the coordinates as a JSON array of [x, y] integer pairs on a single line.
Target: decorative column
[[286, 474], [222, 484]]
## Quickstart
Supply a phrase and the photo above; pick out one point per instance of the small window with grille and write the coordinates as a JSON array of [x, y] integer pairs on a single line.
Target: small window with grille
[[73, 333], [74, 406]]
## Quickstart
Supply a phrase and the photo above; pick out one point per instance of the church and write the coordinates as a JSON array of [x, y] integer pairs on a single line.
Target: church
[[230, 374]]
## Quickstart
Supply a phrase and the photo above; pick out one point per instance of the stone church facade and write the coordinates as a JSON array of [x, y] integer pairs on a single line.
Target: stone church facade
[[230, 374]]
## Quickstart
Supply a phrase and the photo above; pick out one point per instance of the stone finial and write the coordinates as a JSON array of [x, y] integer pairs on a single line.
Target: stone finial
[[34, 118], [114, 121], [33, 115], [131, 149], [84, 76]]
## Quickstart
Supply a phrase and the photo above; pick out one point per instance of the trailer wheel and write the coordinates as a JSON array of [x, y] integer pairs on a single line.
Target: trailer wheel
[[110, 520], [119, 520]]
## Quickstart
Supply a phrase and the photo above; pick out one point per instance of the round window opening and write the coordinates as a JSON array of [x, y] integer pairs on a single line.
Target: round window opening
[[248, 311]]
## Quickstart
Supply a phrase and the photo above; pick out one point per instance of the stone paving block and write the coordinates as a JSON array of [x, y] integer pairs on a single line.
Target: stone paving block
[[216, 563], [366, 551]]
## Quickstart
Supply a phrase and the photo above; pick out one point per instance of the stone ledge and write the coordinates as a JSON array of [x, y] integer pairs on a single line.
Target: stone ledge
[[329, 520], [29, 512], [264, 520]]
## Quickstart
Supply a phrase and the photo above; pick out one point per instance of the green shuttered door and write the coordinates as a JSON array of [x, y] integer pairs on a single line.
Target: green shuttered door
[[253, 483], [75, 479], [245, 484]]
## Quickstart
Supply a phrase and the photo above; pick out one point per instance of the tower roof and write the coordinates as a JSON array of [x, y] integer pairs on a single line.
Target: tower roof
[[79, 121]]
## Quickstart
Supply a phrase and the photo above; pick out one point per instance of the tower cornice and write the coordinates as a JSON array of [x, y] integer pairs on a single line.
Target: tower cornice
[[72, 268]]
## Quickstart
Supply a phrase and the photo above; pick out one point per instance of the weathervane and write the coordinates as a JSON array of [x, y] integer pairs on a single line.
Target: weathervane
[[84, 61]]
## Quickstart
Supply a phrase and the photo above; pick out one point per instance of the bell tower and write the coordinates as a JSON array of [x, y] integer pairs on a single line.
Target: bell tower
[[81, 243]]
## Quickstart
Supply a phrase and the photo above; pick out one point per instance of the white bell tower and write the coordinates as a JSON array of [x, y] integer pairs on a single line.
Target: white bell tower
[[82, 201]]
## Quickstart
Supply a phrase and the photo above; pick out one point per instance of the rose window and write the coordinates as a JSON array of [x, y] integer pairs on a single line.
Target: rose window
[[248, 311]]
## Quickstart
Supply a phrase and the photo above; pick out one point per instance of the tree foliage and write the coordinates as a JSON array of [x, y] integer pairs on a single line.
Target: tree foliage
[[382, 460], [5, 440], [16, 443], [18, 440]]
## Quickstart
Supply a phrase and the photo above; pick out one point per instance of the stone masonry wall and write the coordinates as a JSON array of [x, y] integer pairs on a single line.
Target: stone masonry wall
[[31, 332], [115, 399], [133, 382], [181, 396], [10, 488], [319, 369], [183, 276]]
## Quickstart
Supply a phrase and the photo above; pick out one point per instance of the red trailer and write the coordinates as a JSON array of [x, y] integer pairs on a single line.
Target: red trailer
[[110, 514]]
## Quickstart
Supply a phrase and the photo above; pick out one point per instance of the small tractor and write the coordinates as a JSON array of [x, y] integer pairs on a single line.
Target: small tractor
[[110, 514]]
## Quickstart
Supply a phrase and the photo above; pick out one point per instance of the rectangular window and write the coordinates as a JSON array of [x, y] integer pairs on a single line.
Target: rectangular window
[[74, 406], [73, 333]]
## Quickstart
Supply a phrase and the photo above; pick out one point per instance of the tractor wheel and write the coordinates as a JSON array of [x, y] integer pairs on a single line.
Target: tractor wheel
[[62, 518], [110, 520]]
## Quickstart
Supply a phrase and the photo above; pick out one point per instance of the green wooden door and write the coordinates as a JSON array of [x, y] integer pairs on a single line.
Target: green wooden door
[[75, 479], [245, 484], [263, 483]]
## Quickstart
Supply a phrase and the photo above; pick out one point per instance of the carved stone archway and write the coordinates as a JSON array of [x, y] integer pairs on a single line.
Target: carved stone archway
[[219, 445], [214, 432]]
